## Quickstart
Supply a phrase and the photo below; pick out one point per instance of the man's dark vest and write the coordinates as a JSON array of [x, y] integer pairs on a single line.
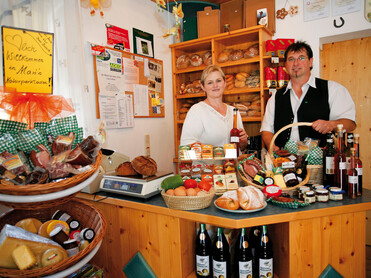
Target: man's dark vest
[[315, 106]]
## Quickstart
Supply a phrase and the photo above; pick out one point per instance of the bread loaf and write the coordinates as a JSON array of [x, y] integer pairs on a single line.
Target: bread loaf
[[144, 165], [229, 200], [224, 55], [236, 55], [183, 62], [125, 169], [207, 58], [196, 60], [249, 197]]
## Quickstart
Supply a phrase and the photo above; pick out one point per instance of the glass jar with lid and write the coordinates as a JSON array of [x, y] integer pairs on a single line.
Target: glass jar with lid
[[322, 195], [336, 194], [301, 191], [309, 197]]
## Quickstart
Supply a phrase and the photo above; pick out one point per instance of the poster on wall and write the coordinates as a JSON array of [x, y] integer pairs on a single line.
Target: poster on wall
[[340, 7], [143, 43], [117, 37], [316, 9], [28, 60]]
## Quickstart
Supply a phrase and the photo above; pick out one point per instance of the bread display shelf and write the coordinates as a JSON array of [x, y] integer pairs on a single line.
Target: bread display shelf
[[190, 96]]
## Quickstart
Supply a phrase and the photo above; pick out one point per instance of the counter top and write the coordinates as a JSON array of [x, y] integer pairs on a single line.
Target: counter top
[[212, 215]]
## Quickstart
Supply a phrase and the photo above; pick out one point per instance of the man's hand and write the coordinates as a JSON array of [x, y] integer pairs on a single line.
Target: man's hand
[[323, 126]]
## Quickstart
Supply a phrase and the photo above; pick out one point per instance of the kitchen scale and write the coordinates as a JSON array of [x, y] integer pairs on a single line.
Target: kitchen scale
[[134, 186]]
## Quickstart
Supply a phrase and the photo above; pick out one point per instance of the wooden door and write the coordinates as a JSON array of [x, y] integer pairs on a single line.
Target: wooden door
[[348, 62]]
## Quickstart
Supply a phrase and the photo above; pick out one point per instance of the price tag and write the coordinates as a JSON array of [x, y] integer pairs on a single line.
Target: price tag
[[275, 60], [272, 91]]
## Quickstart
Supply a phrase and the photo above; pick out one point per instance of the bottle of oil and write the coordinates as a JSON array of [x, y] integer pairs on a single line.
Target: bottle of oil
[[352, 176], [358, 165], [340, 176], [203, 253]]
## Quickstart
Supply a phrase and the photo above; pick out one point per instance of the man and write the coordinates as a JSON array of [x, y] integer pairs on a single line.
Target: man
[[306, 99]]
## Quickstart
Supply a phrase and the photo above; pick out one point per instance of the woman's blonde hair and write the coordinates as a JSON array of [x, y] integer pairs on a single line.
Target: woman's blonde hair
[[209, 69]]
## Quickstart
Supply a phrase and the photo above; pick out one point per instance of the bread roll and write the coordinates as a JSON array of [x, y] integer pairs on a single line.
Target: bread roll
[[144, 165], [125, 169], [239, 84], [224, 55], [242, 76], [229, 200], [236, 55], [253, 113], [251, 51], [249, 197]]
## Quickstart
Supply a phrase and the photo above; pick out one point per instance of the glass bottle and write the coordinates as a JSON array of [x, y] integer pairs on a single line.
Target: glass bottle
[[352, 176], [265, 253], [254, 237], [347, 149], [235, 133], [221, 256], [203, 253], [243, 256], [358, 165], [328, 160], [340, 179]]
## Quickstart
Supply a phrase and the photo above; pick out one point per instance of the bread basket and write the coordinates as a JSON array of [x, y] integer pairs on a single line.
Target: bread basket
[[88, 216], [188, 202]]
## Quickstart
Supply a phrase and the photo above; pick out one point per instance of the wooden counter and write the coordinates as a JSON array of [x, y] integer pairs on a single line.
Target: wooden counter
[[305, 240]]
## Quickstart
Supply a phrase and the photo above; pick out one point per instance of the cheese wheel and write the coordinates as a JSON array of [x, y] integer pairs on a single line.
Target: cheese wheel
[[43, 229], [58, 223], [52, 256], [29, 224]]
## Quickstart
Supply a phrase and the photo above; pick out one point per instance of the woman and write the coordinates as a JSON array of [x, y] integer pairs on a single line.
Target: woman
[[210, 121]]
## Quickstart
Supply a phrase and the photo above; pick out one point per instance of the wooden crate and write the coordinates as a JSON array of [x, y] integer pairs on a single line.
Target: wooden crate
[[208, 22], [251, 8]]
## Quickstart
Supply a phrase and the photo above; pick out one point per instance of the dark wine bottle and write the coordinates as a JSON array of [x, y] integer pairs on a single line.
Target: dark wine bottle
[[329, 160], [340, 177], [221, 256], [203, 253], [358, 165], [347, 149], [265, 253], [243, 256], [254, 237]]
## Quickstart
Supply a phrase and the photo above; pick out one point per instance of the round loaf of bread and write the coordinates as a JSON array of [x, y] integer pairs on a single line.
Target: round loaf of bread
[[207, 58], [250, 197], [196, 60], [144, 165], [125, 169], [183, 62]]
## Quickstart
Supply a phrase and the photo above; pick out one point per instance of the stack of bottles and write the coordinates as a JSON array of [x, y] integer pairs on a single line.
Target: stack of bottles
[[342, 167], [252, 255]]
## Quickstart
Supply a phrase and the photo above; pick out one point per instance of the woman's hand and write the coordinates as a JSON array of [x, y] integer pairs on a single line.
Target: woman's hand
[[243, 138]]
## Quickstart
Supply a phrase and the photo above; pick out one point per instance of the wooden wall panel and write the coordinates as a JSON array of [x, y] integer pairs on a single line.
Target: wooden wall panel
[[314, 243], [348, 62]]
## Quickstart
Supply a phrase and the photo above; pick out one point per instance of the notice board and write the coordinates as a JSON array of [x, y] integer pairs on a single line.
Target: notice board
[[142, 78], [27, 60]]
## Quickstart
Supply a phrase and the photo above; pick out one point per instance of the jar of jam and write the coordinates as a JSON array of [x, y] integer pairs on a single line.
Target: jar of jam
[[301, 191], [290, 178], [309, 197], [322, 195], [336, 194]]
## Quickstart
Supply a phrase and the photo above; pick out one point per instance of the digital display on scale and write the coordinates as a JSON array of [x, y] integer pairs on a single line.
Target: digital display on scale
[[123, 186]]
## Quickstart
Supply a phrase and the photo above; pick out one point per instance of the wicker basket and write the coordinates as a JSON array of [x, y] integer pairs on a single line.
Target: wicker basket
[[88, 216], [39, 189], [188, 202]]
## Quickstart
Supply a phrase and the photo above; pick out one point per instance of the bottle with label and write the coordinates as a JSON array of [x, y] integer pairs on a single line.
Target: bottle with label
[[221, 256], [352, 176], [348, 147], [340, 174], [235, 133], [203, 253], [243, 256], [265, 253], [254, 237], [358, 165], [329, 160]]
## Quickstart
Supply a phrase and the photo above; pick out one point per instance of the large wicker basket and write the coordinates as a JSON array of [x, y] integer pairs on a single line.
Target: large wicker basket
[[188, 202], [89, 217], [38, 189]]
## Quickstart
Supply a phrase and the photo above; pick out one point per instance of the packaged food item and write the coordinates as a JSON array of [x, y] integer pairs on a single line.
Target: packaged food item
[[219, 183], [230, 151], [270, 48], [218, 169], [309, 197], [218, 152], [87, 234], [322, 195], [272, 190], [207, 151], [336, 194], [185, 170], [197, 148], [259, 177], [183, 152], [270, 75], [196, 172], [281, 45], [283, 76], [71, 246], [58, 235], [231, 181], [207, 173], [229, 166]]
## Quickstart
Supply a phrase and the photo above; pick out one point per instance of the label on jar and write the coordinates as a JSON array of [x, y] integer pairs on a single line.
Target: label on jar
[[336, 197], [203, 265], [322, 198], [265, 267], [289, 176], [244, 269], [219, 269], [330, 167]]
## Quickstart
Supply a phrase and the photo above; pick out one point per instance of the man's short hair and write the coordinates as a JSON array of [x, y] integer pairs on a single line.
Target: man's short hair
[[298, 46]]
